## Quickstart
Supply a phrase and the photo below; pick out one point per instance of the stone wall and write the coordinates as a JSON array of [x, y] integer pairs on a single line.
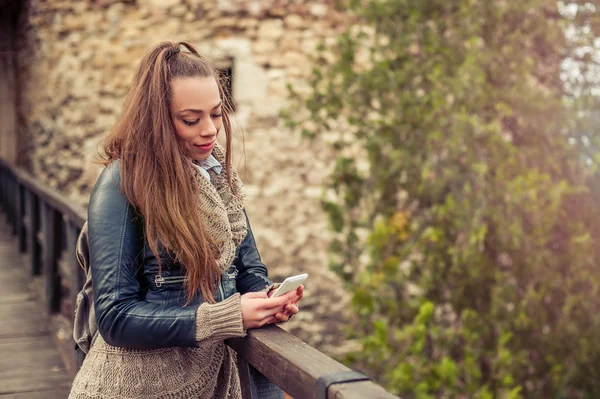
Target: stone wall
[[76, 61], [8, 86]]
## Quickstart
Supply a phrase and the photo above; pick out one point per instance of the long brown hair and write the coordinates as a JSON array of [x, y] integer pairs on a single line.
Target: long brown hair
[[156, 177]]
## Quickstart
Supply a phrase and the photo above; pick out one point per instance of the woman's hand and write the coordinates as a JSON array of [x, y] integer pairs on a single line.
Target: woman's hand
[[290, 308], [258, 309]]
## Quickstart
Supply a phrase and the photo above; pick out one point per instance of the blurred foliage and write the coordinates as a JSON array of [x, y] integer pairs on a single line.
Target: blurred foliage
[[465, 200]]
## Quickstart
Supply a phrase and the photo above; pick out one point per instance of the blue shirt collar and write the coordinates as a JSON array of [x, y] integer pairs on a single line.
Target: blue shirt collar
[[208, 164], [211, 163]]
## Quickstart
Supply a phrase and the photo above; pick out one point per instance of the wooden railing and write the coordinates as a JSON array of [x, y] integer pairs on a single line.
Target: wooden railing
[[47, 224]]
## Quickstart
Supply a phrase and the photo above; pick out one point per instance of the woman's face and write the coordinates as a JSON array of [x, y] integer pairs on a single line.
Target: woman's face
[[196, 111]]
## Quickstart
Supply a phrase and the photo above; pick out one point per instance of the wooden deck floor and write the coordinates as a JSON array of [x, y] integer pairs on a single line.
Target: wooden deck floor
[[30, 364]]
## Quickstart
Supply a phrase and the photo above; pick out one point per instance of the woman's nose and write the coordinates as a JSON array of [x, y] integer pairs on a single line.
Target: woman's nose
[[208, 128]]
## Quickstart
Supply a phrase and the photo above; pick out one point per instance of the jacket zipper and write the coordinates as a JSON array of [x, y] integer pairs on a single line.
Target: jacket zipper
[[233, 274], [159, 280]]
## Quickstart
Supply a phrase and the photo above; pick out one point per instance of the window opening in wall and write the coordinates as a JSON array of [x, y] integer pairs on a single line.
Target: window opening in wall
[[225, 66]]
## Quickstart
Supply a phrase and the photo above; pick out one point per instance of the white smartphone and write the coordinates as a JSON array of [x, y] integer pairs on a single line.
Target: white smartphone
[[290, 283]]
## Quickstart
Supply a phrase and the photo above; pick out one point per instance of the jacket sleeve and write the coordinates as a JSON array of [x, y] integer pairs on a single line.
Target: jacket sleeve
[[252, 272], [116, 250]]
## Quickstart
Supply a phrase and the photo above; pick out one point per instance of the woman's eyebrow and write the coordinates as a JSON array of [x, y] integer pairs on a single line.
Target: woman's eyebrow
[[199, 111]]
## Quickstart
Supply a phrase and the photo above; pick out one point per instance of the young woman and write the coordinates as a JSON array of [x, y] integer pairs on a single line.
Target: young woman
[[171, 248]]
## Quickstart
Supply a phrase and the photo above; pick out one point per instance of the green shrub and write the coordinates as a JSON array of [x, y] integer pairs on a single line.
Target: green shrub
[[457, 181]]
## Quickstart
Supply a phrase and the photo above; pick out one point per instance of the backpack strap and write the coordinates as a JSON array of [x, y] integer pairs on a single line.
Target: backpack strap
[[82, 249]]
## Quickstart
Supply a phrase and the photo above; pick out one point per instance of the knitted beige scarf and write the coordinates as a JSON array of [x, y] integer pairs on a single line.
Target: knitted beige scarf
[[221, 210]]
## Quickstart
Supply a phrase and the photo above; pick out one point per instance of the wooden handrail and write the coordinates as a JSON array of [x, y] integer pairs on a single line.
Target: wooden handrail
[[76, 213], [34, 209], [295, 366]]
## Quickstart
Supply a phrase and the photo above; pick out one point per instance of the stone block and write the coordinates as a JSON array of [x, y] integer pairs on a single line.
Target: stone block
[[249, 81], [225, 22], [160, 4], [106, 3], [270, 29], [292, 59], [72, 22], [248, 23], [318, 10], [179, 10], [264, 46], [277, 11], [294, 21], [290, 41]]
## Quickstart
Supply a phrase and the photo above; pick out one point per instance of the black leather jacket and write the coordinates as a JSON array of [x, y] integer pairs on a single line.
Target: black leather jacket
[[135, 307]]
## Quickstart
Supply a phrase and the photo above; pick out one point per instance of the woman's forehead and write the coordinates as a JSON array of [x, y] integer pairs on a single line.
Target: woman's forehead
[[198, 93]]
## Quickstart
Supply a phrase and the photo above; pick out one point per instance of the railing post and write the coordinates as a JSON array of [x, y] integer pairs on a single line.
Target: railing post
[[2, 185], [20, 213], [5, 190], [51, 253], [9, 183], [14, 197], [5, 183], [33, 244]]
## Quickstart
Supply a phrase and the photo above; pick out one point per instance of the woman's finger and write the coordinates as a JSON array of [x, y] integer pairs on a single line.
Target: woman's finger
[[281, 317], [291, 309], [279, 302], [285, 309], [299, 294], [267, 320], [295, 301], [265, 314]]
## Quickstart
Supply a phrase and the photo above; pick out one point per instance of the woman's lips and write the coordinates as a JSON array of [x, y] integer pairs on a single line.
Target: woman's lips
[[205, 147]]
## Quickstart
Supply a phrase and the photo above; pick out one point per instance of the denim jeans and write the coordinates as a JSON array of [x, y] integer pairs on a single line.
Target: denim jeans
[[262, 387]]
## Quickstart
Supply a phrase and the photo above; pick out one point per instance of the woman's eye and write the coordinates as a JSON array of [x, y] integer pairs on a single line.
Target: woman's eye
[[191, 123], [217, 115]]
